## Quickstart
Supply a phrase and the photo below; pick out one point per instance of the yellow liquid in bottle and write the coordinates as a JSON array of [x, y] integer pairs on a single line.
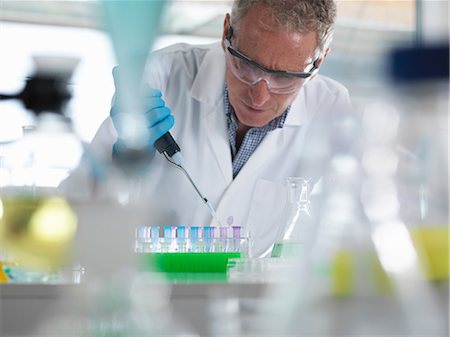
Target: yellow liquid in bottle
[[3, 276], [37, 232]]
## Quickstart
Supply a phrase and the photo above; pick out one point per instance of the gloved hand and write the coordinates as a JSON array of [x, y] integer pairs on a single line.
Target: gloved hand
[[158, 116]]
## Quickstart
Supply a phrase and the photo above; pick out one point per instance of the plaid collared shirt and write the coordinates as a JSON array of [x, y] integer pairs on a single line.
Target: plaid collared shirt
[[252, 138]]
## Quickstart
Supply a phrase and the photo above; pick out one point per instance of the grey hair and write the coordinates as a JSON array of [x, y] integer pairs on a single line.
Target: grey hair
[[295, 15]]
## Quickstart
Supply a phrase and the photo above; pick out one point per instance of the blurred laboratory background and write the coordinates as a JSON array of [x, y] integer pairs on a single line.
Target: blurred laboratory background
[[365, 31]]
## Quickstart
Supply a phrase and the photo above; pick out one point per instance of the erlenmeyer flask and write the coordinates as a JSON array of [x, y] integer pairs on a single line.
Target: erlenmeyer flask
[[295, 228]]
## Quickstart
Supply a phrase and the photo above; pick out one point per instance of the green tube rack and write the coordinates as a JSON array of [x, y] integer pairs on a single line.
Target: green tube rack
[[188, 266]]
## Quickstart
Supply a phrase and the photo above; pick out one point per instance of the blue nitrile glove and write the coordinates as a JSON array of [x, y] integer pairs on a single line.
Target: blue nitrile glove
[[159, 118]]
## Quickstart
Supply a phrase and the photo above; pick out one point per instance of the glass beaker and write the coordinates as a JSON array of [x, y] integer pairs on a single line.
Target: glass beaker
[[295, 227]]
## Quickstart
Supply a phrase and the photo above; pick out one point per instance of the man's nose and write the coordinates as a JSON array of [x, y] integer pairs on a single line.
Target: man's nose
[[259, 93]]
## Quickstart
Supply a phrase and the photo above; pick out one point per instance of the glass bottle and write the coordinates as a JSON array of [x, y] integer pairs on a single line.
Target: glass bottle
[[295, 230], [37, 223], [421, 101], [405, 188]]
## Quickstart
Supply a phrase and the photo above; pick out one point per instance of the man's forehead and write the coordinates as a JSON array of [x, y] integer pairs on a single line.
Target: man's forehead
[[259, 19], [300, 46]]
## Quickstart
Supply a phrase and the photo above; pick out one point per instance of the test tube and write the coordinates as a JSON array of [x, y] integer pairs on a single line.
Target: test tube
[[181, 238], [236, 238], [236, 232], [223, 239], [140, 239], [166, 245], [140, 232], [223, 232], [194, 238], [154, 231], [208, 236]]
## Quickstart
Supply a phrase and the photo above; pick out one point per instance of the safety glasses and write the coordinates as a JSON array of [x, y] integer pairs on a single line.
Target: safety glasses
[[251, 72]]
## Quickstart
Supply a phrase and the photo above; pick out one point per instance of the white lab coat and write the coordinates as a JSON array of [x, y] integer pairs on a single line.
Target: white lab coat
[[192, 81]]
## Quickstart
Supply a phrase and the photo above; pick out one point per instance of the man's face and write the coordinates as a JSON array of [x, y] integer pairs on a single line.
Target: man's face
[[259, 38]]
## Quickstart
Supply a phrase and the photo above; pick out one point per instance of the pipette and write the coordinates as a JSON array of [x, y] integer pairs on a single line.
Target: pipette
[[167, 146]]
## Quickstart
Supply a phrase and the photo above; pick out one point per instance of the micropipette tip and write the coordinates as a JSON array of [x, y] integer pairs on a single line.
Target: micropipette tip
[[212, 211]]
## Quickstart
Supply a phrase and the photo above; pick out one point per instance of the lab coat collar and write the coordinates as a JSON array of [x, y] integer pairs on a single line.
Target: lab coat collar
[[298, 115], [207, 86], [313, 95]]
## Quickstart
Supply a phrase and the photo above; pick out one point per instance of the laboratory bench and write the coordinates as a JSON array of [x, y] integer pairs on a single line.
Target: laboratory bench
[[25, 307], [210, 309]]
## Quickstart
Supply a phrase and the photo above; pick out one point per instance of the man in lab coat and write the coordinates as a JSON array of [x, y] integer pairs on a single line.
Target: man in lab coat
[[240, 112]]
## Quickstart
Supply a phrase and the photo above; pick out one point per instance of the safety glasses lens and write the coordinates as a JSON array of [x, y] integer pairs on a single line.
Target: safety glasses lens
[[251, 75]]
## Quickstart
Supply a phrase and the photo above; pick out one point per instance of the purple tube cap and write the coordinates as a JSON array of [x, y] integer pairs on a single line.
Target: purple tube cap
[[236, 231]]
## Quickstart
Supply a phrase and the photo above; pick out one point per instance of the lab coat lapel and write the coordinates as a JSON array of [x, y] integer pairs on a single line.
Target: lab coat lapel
[[272, 142], [207, 88], [216, 126]]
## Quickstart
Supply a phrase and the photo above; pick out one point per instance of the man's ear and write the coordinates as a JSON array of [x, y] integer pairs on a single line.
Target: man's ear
[[226, 28], [320, 60]]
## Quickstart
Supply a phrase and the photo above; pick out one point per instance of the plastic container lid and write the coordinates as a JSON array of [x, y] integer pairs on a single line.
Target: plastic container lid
[[419, 63]]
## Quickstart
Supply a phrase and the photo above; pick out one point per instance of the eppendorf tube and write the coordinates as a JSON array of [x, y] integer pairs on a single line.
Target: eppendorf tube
[[208, 237], [221, 243], [194, 239], [140, 239], [154, 232], [223, 232], [167, 241], [181, 239], [236, 241]]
